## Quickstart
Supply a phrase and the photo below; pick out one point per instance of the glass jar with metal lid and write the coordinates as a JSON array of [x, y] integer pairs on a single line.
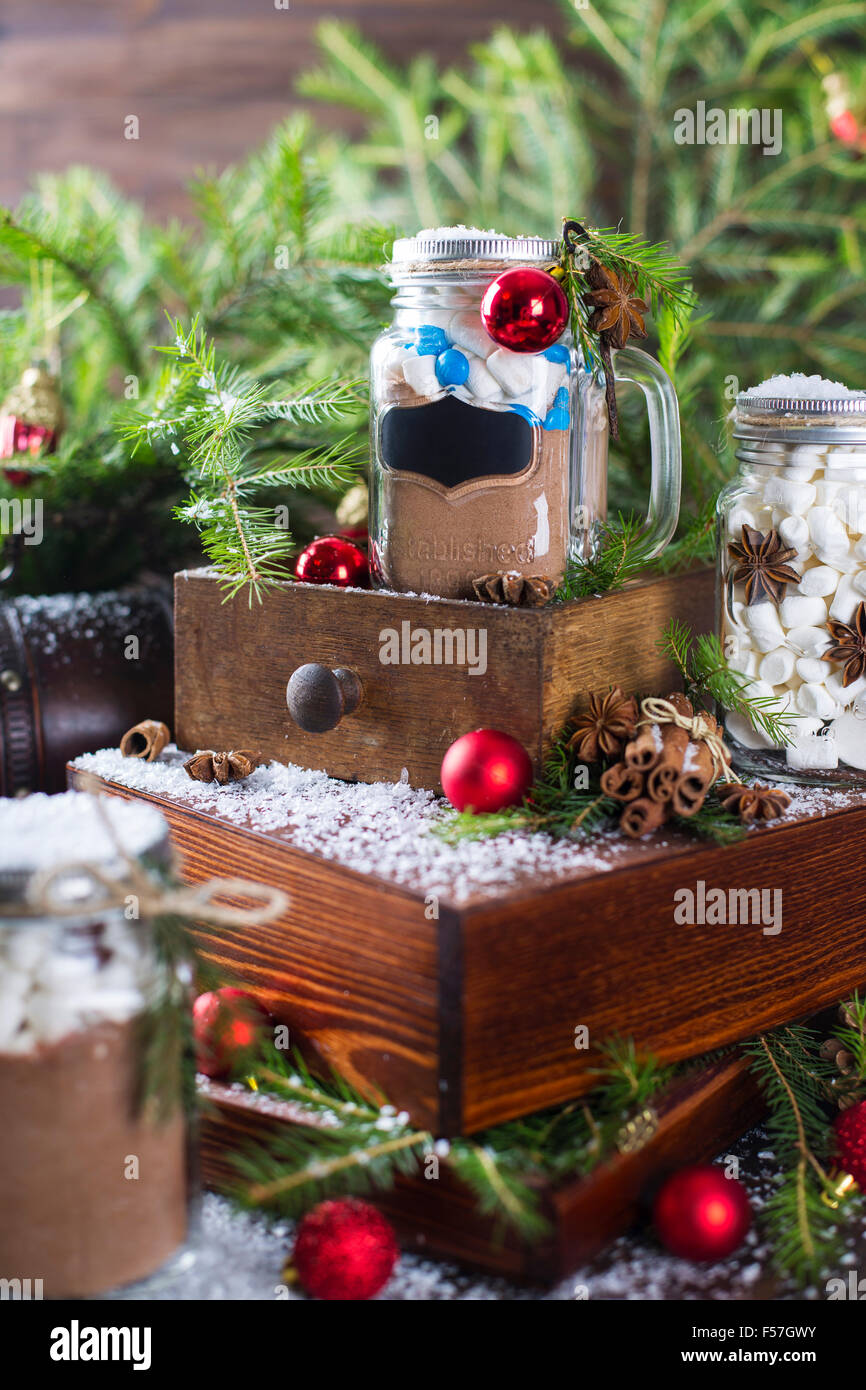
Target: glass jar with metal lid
[[792, 570], [93, 1150], [486, 462]]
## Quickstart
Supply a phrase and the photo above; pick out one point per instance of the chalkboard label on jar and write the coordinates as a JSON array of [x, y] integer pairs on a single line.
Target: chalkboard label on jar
[[453, 443]]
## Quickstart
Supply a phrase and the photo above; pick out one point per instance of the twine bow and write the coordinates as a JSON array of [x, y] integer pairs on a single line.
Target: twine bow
[[154, 898], [658, 711]]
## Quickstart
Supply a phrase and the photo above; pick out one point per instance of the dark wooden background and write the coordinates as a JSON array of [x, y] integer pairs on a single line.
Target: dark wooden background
[[208, 79]]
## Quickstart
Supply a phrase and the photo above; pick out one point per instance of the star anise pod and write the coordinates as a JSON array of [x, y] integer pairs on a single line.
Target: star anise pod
[[753, 803], [762, 565], [849, 645], [606, 727], [516, 590], [617, 310], [233, 766]]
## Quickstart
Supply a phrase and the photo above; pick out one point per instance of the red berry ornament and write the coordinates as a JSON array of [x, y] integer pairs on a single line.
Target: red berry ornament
[[344, 1250], [333, 560], [524, 309], [486, 770], [850, 1127], [227, 1024], [702, 1215]]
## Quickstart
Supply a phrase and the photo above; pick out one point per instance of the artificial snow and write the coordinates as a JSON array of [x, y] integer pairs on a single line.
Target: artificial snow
[[800, 387], [40, 831], [380, 828], [387, 828]]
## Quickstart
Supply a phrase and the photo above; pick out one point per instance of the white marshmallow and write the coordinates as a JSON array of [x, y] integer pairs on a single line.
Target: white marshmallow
[[826, 530], [815, 699], [819, 581], [844, 605], [860, 549], [392, 362], [466, 330], [842, 694], [556, 376], [858, 581], [812, 754], [794, 531], [765, 627], [481, 383], [794, 497], [740, 516], [12, 1014], [420, 374], [777, 667], [516, 372], [535, 400], [799, 610], [740, 730], [839, 558], [849, 736], [810, 668], [808, 641]]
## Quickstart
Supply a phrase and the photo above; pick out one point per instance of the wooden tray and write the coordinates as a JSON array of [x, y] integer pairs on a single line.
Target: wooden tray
[[697, 1118], [232, 666], [470, 1019]]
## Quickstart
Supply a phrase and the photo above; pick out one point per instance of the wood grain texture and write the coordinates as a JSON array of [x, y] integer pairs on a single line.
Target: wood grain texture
[[697, 1118], [207, 81], [231, 672], [470, 1020]]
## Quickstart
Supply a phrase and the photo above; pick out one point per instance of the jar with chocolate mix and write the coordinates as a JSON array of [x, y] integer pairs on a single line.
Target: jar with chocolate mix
[[792, 580], [487, 461], [94, 1168]]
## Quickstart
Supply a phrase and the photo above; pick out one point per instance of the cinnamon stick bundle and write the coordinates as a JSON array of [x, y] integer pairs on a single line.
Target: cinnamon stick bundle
[[695, 780], [622, 783], [663, 778], [643, 752], [642, 816]]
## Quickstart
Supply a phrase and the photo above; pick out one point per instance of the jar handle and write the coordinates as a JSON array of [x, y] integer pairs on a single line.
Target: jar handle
[[630, 364]]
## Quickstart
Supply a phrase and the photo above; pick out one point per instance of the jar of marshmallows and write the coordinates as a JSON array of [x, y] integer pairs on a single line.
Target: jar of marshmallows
[[94, 1154], [792, 571]]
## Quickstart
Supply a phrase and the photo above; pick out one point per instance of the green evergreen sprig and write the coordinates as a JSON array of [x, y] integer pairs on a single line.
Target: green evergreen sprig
[[804, 1217], [707, 676], [217, 412]]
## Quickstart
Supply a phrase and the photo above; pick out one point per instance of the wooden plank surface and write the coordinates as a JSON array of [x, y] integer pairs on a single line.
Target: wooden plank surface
[[207, 81], [697, 1118]]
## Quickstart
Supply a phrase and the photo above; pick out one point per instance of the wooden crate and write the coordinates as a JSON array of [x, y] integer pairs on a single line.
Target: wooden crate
[[232, 666], [697, 1118], [470, 1019]]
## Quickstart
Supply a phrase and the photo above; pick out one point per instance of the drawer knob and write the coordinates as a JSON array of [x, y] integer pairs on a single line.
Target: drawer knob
[[319, 698]]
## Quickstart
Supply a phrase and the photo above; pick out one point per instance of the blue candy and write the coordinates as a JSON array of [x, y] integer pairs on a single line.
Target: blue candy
[[558, 353], [561, 398], [556, 419], [430, 340], [452, 368], [528, 415]]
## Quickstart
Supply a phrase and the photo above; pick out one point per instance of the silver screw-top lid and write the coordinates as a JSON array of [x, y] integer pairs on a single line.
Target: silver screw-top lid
[[42, 833], [440, 245], [809, 419]]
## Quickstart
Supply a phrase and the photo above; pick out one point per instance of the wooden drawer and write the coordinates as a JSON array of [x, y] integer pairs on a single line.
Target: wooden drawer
[[233, 662]]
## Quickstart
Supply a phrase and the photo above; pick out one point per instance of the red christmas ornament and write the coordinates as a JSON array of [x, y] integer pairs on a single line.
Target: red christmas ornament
[[486, 770], [29, 421], [702, 1215], [226, 1025], [333, 560], [850, 1128], [344, 1250], [524, 309]]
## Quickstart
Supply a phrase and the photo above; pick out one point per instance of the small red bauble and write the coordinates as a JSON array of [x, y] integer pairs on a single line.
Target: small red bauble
[[524, 309], [850, 1127], [227, 1024], [344, 1250], [333, 560], [486, 770], [702, 1215]]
